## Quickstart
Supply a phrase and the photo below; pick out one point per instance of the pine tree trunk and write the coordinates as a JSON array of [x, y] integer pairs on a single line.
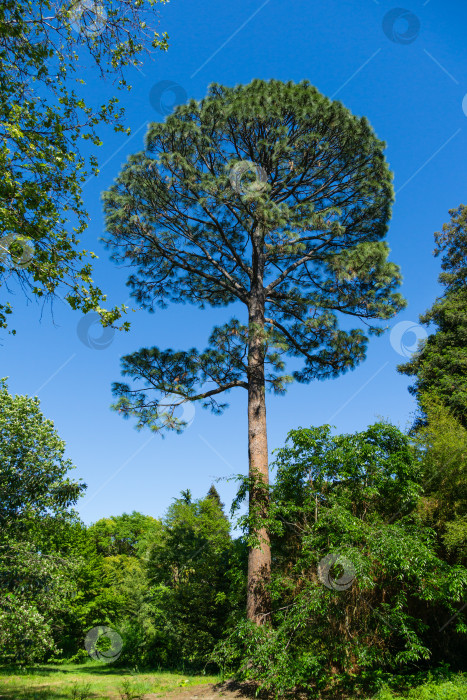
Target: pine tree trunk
[[259, 559]]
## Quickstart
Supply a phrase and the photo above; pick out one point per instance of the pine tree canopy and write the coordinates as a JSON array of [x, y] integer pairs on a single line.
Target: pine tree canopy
[[270, 195]]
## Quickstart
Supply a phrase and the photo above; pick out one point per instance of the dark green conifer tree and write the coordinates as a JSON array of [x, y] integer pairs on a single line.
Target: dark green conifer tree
[[213, 493], [440, 367]]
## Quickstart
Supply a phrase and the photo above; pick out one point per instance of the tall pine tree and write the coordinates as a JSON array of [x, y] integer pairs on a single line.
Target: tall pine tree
[[273, 196]]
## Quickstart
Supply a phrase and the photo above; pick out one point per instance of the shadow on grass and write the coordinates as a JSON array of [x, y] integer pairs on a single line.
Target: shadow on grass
[[44, 694], [39, 674], [242, 689], [50, 669]]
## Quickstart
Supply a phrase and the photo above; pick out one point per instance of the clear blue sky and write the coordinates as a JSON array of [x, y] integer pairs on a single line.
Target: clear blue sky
[[410, 81]]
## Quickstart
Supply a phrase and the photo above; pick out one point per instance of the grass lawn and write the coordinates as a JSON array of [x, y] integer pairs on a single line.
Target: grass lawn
[[51, 682], [97, 680]]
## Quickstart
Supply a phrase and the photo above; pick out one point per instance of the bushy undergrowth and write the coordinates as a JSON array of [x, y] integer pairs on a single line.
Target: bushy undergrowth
[[446, 687], [359, 590]]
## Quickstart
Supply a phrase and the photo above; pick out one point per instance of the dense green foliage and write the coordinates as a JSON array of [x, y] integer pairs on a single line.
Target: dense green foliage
[[35, 498], [368, 535], [187, 570], [45, 49], [443, 440], [130, 535], [440, 367], [360, 587], [441, 685], [163, 585]]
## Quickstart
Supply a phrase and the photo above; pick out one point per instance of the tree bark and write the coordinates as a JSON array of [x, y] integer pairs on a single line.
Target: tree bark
[[259, 558]]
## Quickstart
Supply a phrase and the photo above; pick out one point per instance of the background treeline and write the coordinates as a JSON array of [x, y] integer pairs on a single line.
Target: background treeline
[[389, 508]]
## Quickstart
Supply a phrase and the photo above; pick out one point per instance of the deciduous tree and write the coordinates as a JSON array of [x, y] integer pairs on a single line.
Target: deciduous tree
[[360, 589], [45, 49], [188, 571], [35, 494]]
